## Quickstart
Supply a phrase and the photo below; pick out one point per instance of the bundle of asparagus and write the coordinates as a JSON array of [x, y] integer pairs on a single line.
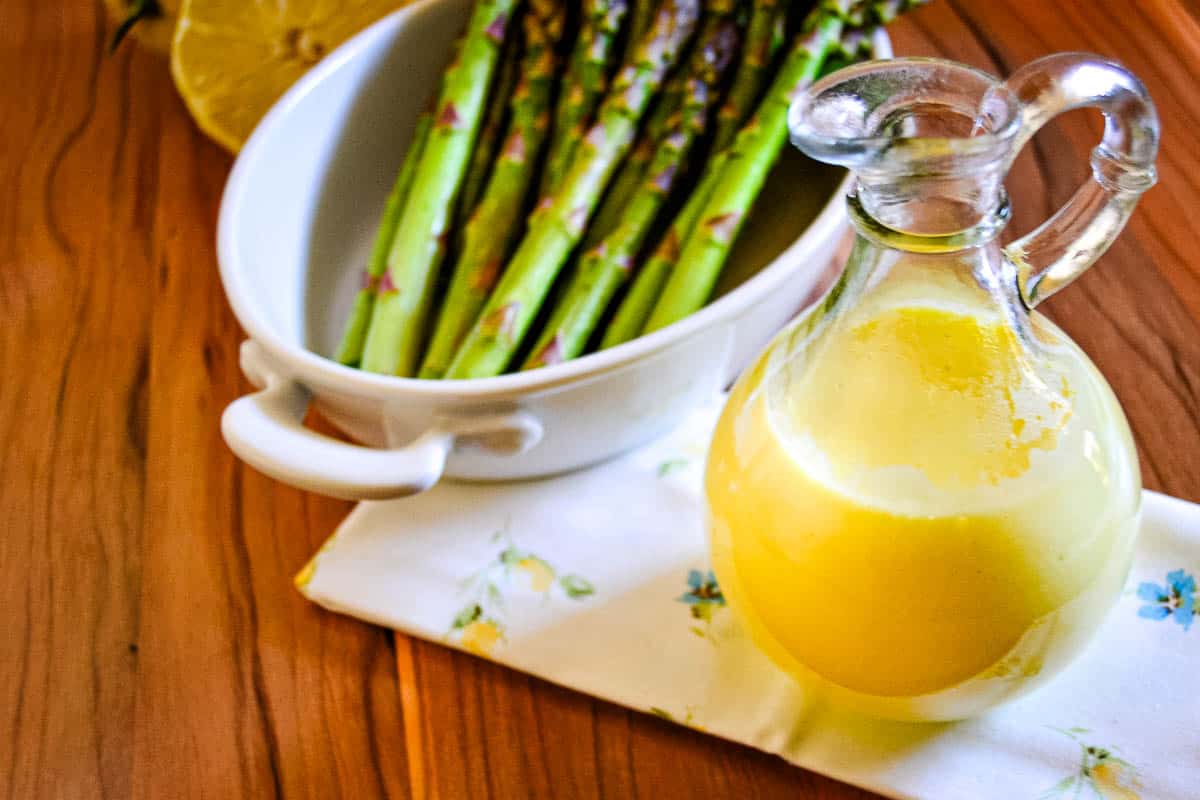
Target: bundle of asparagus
[[518, 169]]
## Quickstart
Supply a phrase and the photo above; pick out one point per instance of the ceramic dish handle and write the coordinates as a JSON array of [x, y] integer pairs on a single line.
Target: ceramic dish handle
[[266, 430]]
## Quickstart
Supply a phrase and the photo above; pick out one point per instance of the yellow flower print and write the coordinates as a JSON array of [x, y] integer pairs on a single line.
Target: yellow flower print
[[481, 636], [477, 633], [541, 576], [1115, 780]]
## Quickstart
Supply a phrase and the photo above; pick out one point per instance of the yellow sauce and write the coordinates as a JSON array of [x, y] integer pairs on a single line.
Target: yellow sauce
[[918, 513]]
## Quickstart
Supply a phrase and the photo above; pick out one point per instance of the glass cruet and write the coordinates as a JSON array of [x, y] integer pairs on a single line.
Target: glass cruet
[[923, 497]]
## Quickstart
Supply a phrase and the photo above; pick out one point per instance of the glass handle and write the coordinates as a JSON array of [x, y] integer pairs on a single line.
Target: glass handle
[[1065, 245]]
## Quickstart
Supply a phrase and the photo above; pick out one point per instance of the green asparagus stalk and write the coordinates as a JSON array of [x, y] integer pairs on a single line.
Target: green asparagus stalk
[[350, 349], [493, 227], [483, 155], [641, 18], [630, 320], [628, 178], [394, 338], [558, 223], [883, 12], [641, 14], [652, 276], [605, 267], [553, 17], [754, 151], [764, 38], [587, 80], [633, 170], [669, 101], [862, 17], [639, 301]]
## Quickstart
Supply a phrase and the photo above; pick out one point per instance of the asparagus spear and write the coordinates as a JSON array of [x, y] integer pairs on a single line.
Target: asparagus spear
[[750, 157], [494, 225], [584, 87], [394, 338], [606, 266], [633, 169], [486, 149], [639, 301], [350, 349], [558, 223], [754, 152], [766, 29], [623, 186], [764, 38], [643, 15], [882, 12], [652, 276], [553, 17]]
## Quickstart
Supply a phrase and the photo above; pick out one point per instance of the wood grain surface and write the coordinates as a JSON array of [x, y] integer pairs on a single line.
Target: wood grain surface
[[153, 646]]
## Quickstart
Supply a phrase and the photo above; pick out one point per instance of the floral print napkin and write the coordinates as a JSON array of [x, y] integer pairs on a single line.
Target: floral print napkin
[[598, 581]]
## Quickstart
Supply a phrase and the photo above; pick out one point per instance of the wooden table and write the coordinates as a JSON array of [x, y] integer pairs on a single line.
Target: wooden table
[[153, 646]]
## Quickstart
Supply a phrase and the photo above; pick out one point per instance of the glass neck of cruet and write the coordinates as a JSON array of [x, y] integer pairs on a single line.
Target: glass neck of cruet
[[931, 141]]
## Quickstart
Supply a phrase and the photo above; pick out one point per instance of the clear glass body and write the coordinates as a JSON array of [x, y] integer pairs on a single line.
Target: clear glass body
[[916, 506], [923, 497]]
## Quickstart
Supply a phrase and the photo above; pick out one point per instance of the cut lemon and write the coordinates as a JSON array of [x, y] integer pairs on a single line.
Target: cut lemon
[[232, 59]]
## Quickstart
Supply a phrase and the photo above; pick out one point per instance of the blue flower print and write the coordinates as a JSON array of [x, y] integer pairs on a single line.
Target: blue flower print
[[1176, 600], [703, 597], [702, 590]]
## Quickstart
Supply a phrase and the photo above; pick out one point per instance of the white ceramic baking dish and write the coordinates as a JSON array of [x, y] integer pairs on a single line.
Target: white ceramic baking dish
[[297, 219]]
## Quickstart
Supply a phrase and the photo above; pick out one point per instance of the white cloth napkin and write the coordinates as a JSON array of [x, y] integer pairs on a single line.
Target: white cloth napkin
[[598, 580]]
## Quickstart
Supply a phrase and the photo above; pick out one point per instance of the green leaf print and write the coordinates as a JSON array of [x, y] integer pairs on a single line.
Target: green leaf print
[[576, 586], [468, 615], [672, 465]]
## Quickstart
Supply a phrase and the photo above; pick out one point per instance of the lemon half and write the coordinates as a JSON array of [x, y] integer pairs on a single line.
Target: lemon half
[[232, 59]]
